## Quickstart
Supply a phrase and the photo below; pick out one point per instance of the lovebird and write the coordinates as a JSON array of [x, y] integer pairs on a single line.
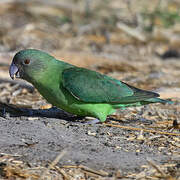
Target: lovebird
[[77, 90]]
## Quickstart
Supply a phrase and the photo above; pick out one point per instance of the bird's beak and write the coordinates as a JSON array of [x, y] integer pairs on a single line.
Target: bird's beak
[[14, 71]]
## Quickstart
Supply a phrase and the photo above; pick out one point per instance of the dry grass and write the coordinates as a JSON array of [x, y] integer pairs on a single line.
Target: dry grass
[[15, 169]]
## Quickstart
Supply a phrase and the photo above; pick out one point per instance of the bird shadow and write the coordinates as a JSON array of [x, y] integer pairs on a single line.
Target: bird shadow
[[9, 110]]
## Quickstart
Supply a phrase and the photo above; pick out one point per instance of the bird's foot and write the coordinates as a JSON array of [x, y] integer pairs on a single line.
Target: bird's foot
[[92, 121], [88, 121]]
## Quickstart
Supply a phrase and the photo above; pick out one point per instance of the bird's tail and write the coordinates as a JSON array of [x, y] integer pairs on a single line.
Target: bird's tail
[[145, 102], [158, 100]]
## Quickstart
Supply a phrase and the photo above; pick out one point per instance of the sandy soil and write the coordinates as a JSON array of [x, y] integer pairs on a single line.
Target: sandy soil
[[97, 146]]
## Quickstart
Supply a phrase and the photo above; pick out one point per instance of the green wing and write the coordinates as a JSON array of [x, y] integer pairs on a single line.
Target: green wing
[[93, 87]]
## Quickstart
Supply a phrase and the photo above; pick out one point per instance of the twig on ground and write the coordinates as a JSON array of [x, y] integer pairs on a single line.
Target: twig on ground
[[132, 32], [140, 129], [157, 168], [87, 169], [56, 160]]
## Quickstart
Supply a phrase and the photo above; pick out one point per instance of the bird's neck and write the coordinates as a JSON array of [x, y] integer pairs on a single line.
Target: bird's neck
[[52, 74]]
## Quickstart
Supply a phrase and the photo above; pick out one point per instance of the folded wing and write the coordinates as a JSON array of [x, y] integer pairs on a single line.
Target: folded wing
[[93, 87]]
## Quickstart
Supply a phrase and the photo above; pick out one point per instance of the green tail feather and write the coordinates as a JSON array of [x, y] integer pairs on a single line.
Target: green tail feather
[[140, 103], [157, 100]]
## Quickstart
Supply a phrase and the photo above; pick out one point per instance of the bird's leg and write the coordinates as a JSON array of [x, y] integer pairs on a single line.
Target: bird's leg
[[93, 121]]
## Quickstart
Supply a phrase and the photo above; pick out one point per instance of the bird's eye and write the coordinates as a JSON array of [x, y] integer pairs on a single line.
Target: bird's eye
[[26, 61]]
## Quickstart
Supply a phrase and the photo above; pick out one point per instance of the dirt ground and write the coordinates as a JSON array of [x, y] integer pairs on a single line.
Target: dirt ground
[[134, 143], [96, 146]]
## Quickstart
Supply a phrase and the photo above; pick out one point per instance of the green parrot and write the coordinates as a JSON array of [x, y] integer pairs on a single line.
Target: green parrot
[[77, 90]]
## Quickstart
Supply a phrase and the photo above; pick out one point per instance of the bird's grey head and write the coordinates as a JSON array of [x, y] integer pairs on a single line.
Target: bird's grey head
[[27, 63]]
